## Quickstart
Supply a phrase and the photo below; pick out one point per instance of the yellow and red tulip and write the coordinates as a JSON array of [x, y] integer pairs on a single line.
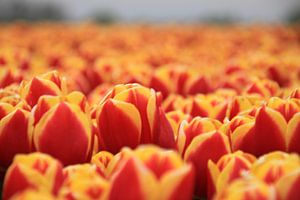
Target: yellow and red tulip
[[271, 167], [30, 194], [288, 186], [83, 182], [189, 130], [46, 84], [47, 173], [205, 147], [15, 136], [228, 168], [253, 137], [247, 188], [141, 120], [154, 173], [65, 132]]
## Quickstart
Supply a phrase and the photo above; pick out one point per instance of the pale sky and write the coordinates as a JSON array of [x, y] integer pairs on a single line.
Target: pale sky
[[182, 10]]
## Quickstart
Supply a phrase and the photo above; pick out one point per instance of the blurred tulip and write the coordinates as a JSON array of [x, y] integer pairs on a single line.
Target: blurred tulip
[[35, 171], [65, 132], [288, 186], [9, 76], [175, 118], [271, 167], [288, 108], [46, 84], [204, 147], [253, 137], [83, 182], [15, 136], [293, 134], [30, 194], [136, 110], [245, 189], [197, 126], [102, 159], [227, 169], [264, 88], [154, 173]]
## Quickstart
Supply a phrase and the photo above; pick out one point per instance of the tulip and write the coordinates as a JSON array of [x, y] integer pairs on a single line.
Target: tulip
[[264, 88], [240, 104], [288, 186], [32, 194], [15, 136], [204, 147], [271, 167], [35, 171], [293, 134], [140, 120], [9, 76], [226, 170], [253, 137], [196, 127], [83, 182], [247, 188], [65, 132], [288, 108], [154, 173], [295, 93], [102, 160], [175, 118], [46, 84]]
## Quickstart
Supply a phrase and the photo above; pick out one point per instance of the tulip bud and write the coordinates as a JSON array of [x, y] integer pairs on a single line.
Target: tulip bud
[[244, 189], [154, 173], [205, 147], [264, 88], [288, 186], [45, 84], [32, 194], [227, 169], [271, 167], [36, 171], [83, 182], [293, 134], [197, 126], [64, 132], [102, 159], [140, 119], [253, 137], [15, 136]]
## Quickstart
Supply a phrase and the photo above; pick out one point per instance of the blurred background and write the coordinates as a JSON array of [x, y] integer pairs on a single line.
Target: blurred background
[[154, 11]]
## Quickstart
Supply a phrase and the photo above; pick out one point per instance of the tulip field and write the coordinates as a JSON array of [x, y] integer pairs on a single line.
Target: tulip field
[[149, 112]]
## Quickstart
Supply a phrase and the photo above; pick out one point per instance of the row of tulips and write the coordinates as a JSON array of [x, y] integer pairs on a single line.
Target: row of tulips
[[184, 60], [149, 172], [41, 115], [149, 112]]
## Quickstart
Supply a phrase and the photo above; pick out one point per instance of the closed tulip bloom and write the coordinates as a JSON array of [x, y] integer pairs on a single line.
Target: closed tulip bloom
[[65, 132], [288, 186], [32, 194], [204, 147], [228, 168], [293, 134], [83, 182], [154, 173], [131, 115], [189, 130], [36, 171], [46, 84], [247, 189], [15, 136], [254, 137], [271, 167]]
